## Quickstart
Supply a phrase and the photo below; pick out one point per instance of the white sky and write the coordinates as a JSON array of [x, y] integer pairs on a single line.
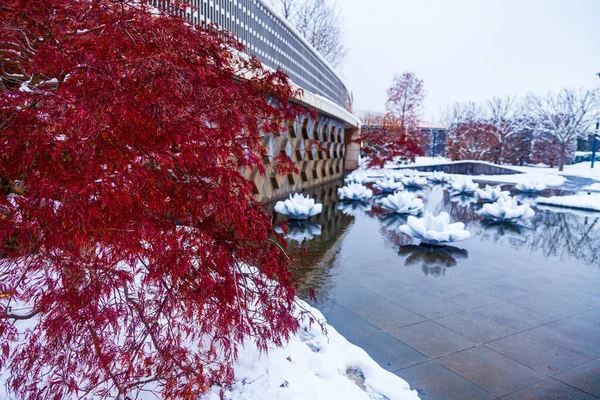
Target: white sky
[[469, 49]]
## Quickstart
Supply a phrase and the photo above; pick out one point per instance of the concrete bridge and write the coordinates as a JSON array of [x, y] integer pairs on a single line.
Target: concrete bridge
[[271, 38]]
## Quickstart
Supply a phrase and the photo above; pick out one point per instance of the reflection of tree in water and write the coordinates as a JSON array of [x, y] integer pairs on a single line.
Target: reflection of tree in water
[[433, 260], [461, 209], [564, 235]]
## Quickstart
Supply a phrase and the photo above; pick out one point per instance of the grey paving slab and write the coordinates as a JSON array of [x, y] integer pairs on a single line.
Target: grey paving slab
[[585, 377], [423, 304], [351, 296], [433, 381], [388, 351], [555, 306], [570, 336], [501, 291], [589, 320], [549, 389], [387, 316], [469, 298], [432, 339], [350, 325], [475, 326], [512, 315], [491, 371], [544, 357]]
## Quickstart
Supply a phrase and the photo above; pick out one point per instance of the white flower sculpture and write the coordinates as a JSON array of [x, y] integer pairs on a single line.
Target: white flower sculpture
[[298, 207], [403, 203], [439, 178], [395, 175], [354, 208], [464, 186], [492, 193], [435, 230], [301, 232], [414, 182], [388, 185], [355, 192], [355, 178], [506, 209], [530, 187]]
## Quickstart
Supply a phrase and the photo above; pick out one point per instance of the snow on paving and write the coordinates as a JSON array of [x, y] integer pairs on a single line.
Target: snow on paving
[[581, 201], [313, 365]]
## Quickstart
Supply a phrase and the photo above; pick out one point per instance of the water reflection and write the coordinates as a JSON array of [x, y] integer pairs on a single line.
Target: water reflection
[[433, 260], [357, 238], [354, 208], [300, 231]]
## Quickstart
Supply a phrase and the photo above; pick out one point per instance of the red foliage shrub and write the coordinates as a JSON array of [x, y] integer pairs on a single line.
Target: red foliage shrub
[[385, 140], [125, 219], [472, 141]]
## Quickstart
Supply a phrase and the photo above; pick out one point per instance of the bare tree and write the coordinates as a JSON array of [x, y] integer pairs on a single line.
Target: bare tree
[[507, 117], [566, 115], [320, 22]]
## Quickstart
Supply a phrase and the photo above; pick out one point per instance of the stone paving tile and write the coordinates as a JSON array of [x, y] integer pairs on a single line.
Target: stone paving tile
[[555, 306], [589, 320], [387, 316], [570, 336], [501, 291], [509, 314], [549, 389], [538, 354], [350, 325], [585, 377], [423, 304], [469, 298], [352, 296], [432, 339], [491, 371], [388, 351], [475, 326], [433, 381]]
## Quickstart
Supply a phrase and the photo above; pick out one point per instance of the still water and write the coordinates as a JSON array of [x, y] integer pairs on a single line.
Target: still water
[[356, 242]]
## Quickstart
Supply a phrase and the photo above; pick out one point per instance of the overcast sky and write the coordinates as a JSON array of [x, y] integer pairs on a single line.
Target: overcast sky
[[469, 49]]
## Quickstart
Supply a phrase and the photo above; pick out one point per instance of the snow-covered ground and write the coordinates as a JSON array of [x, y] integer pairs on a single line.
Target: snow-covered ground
[[594, 187], [581, 201], [314, 366]]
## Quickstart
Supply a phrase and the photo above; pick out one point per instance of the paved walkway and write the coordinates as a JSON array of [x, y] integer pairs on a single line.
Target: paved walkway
[[503, 324]]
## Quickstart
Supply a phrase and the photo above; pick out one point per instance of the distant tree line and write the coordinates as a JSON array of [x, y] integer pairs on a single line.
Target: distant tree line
[[534, 129]]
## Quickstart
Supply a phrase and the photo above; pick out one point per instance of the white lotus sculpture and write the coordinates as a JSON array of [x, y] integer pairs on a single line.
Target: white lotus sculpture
[[298, 207], [507, 210], [355, 178], [439, 178], [530, 187], [404, 203], [464, 186], [354, 208], [355, 192], [388, 185], [492, 193], [414, 182], [435, 230]]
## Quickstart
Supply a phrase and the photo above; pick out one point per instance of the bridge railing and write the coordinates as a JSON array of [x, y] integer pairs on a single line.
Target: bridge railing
[[271, 38]]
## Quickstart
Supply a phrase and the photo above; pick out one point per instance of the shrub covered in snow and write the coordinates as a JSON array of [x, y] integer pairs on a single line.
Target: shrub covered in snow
[[506, 209], [403, 203], [388, 185], [435, 230], [492, 193], [298, 207], [439, 178], [414, 181], [464, 186], [530, 187], [355, 192]]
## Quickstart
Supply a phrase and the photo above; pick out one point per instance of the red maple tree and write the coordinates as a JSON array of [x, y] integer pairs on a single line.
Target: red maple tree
[[384, 139], [130, 243]]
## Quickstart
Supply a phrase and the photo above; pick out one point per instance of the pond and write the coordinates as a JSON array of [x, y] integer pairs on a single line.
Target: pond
[[522, 301]]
